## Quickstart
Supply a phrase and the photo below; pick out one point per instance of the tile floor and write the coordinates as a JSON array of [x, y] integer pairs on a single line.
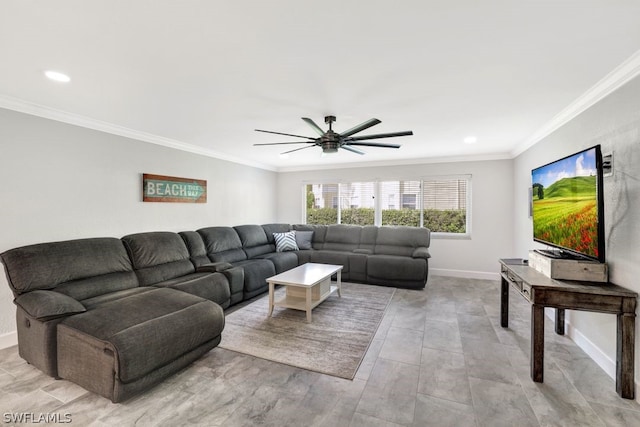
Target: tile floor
[[439, 358]]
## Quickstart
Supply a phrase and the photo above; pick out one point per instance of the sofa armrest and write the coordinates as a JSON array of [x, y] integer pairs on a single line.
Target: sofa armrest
[[214, 267], [44, 305], [362, 251], [421, 252]]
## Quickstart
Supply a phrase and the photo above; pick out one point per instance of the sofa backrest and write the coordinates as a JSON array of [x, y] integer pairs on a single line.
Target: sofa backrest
[[341, 237], [254, 240], [81, 268], [223, 244], [401, 240], [319, 233], [269, 229], [158, 256], [368, 237], [196, 248]]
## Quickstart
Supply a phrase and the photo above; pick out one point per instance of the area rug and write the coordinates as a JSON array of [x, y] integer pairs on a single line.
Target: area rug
[[334, 343]]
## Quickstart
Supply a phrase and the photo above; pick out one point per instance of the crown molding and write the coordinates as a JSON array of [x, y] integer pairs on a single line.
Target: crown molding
[[620, 75], [33, 109]]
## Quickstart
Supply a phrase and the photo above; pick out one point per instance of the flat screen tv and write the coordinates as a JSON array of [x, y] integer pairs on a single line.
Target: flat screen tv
[[568, 206]]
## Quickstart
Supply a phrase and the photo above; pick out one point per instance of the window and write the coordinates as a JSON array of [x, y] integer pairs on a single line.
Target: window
[[440, 204], [407, 192], [357, 203], [322, 203], [444, 205]]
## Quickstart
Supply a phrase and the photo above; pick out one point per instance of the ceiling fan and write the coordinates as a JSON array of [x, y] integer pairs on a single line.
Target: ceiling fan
[[330, 141]]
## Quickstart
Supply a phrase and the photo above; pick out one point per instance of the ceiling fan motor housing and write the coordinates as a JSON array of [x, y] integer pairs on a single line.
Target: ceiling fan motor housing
[[330, 142]]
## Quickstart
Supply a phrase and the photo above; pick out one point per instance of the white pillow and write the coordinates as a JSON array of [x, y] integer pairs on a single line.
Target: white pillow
[[285, 241]]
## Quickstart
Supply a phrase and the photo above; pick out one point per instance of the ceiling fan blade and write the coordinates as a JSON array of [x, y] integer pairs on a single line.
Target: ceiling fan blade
[[294, 142], [314, 126], [360, 127], [285, 134], [353, 150], [378, 136], [298, 149], [372, 144]]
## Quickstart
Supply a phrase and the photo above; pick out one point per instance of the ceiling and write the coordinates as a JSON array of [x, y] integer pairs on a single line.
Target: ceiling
[[202, 75]]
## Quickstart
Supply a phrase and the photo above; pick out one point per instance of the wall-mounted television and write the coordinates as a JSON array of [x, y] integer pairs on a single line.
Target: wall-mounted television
[[568, 206]]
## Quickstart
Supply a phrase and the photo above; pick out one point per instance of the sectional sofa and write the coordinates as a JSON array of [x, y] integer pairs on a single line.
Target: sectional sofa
[[117, 316]]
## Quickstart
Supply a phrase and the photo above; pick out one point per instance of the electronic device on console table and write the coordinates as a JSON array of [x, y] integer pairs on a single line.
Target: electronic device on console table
[[569, 269]]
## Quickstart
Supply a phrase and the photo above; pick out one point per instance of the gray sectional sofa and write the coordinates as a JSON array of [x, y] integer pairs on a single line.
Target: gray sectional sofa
[[117, 316]]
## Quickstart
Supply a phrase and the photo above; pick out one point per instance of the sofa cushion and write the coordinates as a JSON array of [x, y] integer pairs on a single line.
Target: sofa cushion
[[282, 261], [256, 272], [393, 270], [84, 266], [147, 331], [269, 229], [93, 302], [158, 256], [285, 241], [401, 240], [211, 286], [196, 248], [368, 237], [254, 240], [342, 237], [319, 233], [223, 244], [331, 257], [99, 285]]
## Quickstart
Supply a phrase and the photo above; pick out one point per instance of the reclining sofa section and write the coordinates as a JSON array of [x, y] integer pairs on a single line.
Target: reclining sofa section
[[388, 256], [83, 315], [116, 316]]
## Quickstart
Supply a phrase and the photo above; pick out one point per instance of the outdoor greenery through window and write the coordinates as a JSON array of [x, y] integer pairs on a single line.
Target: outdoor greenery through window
[[440, 204]]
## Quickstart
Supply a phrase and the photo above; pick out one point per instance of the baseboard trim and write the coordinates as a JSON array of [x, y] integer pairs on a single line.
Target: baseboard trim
[[8, 340], [605, 362], [466, 274], [592, 350]]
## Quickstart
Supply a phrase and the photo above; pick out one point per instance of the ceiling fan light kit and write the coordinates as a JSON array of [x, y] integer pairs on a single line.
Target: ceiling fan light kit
[[330, 141]]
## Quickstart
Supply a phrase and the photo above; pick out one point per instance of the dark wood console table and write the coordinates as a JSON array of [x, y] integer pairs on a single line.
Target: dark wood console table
[[541, 292]]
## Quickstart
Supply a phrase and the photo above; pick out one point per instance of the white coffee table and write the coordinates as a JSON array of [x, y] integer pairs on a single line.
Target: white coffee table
[[306, 286]]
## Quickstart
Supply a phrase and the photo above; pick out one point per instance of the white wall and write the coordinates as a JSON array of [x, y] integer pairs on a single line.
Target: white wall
[[59, 182], [492, 208], [615, 124]]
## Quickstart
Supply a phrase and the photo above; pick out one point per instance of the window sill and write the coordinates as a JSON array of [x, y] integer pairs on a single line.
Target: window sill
[[451, 236]]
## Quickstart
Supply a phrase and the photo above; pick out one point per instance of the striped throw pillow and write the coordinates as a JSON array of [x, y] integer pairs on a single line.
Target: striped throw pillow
[[285, 241]]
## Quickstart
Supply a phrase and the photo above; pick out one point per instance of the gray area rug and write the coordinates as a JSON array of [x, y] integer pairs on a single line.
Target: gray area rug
[[334, 343]]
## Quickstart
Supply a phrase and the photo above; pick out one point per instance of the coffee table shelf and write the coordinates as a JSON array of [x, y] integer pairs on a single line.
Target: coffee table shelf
[[300, 303]]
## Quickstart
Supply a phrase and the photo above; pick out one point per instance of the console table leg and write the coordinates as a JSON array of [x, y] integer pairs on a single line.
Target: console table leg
[[537, 343], [625, 355], [560, 321], [504, 304]]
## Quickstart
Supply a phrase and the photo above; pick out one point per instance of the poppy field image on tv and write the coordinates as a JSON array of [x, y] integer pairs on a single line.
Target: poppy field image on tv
[[565, 203]]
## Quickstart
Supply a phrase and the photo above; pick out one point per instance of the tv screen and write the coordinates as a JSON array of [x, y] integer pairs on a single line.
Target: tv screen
[[568, 209]]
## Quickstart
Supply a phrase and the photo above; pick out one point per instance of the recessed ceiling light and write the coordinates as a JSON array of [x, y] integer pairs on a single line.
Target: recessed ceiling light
[[57, 76], [470, 140]]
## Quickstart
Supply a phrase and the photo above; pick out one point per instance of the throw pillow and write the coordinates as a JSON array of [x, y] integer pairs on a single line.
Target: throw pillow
[[303, 239], [285, 241]]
